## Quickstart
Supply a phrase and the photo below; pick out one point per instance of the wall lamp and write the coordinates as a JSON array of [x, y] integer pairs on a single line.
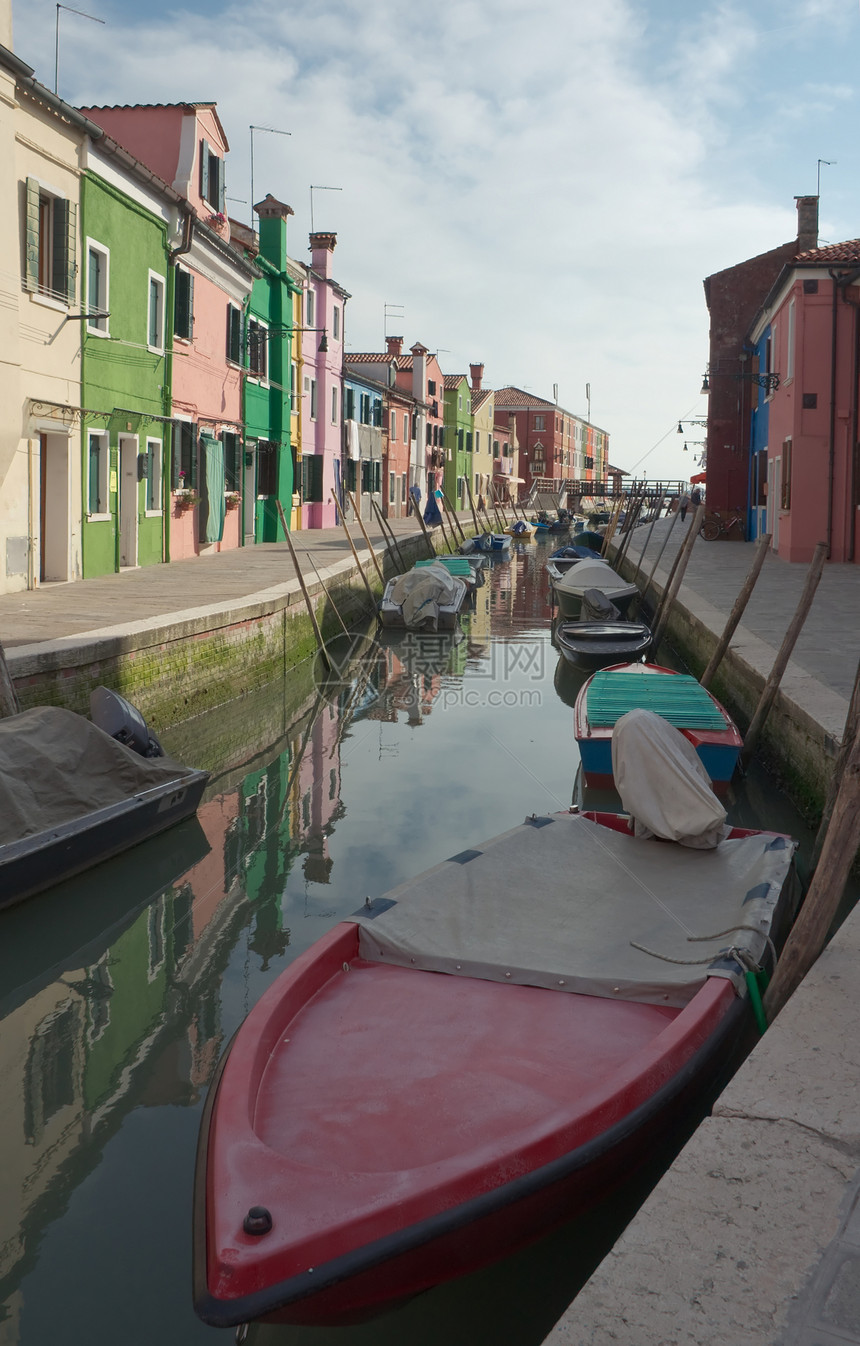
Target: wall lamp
[[770, 382], [681, 425], [288, 331]]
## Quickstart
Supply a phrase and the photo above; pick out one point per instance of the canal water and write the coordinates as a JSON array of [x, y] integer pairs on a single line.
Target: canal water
[[119, 990]]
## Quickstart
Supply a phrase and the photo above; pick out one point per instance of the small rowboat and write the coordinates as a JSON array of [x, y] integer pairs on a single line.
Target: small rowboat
[[677, 697], [569, 590], [455, 1071], [593, 645], [521, 531]]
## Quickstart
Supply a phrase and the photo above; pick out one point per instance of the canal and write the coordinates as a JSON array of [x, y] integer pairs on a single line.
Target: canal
[[119, 990]]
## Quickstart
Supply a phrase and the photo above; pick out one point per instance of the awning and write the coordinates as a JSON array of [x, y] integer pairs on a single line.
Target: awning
[[503, 476], [699, 478]]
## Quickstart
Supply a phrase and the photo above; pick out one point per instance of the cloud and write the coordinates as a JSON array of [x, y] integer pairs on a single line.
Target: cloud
[[535, 185]]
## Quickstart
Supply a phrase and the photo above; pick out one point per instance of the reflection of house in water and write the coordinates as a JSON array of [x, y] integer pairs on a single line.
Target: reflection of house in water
[[316, 803], [415, 664]]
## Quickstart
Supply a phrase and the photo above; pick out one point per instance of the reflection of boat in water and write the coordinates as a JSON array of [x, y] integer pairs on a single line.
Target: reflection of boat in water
[[74, 793], [80, 919]]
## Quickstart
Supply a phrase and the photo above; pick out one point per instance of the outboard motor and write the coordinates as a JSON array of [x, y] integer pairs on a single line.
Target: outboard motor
[[596, 607], [123, 721]]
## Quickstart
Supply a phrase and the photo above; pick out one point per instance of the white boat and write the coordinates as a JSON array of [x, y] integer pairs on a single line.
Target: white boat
[[425, 598], [570, 588]]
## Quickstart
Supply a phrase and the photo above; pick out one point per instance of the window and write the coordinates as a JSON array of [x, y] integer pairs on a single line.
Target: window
[[405, 427], [789, 358], [258, 349], [495, 448], [468, 441], [234, 334], [98, 473], [50, 244], [184, 454], [392, 433], [232, 461], [785, 502], [460, 441], [540, 422], [312, 477], [98, 259], [364, 408], [183, 306], [310, 308], [294, 383], [431, 387], [211, 177], [392, 487], [334, 406], [377, 411], [477, 441], [155, 317], [153, 476], [335, 323], [267, 467], [313, 399], [403, 487], [460, 403], [349, 404]]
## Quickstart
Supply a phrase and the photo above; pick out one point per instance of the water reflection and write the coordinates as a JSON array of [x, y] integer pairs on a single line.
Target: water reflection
[[120, 990]]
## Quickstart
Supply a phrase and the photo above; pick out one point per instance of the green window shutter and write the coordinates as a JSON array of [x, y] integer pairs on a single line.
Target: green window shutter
[[63, 262], [204, 170], [31, 271], [222, 187], [184, 305]]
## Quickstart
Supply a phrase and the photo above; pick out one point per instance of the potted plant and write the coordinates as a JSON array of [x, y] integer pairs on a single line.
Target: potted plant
[[231, 499], [186, 497]]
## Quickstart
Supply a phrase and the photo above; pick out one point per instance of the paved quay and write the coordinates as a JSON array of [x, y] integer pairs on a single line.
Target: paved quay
[[752, 1237]]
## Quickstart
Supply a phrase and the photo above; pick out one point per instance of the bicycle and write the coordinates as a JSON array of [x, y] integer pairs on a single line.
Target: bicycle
[[716, 526]]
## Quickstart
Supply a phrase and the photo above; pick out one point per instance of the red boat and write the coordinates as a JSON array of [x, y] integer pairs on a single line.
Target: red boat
[[476, 1058]]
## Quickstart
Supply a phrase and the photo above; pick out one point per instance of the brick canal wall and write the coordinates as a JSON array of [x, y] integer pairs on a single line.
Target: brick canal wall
[[181, 665]]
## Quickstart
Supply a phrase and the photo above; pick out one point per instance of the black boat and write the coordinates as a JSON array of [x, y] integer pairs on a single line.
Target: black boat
[[73, 793], [602, 638]]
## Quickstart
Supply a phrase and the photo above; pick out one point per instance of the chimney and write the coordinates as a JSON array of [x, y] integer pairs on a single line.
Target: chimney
[[321, 248], [477, 374], [393, 345], [807, 222]]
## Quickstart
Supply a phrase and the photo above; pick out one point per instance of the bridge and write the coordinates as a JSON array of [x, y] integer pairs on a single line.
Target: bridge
[[556, 493]]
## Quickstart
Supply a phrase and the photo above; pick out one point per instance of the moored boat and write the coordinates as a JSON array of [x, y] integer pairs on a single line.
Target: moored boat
[[454, 1072], [426, 598], [571, 587], [74, 793], [593, 645], [677, 697]]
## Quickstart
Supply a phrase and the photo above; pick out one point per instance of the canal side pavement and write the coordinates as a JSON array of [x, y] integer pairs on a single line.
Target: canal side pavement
[[753, 1236]]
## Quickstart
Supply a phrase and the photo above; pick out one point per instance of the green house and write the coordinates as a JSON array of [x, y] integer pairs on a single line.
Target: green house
[[459, 432], [270, 466], [126, 334]]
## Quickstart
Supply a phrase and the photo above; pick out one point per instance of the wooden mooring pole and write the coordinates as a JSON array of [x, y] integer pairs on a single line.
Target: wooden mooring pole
[[737, 611], [849, 735], [659, 557], [390, 537], [648, 538], [360, 523], [417, 508], [812, 927], [304, 588], [661, 617], [367, 585], [771, 687], [9, 703]]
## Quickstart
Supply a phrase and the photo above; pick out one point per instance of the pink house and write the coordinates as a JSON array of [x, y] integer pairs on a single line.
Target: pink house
[[185, 144], [805, 345], [321, 341], [419, 375]]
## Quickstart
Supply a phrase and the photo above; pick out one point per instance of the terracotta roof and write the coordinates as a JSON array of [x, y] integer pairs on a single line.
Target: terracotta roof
[[480, 397], [453, 380], [517, 397], [836, 252], [378, 358]]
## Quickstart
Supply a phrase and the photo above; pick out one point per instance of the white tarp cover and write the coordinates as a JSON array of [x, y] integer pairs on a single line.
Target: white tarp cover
[[421, 592], [594, 575], [56, 766], [558, 902], [662, 782]]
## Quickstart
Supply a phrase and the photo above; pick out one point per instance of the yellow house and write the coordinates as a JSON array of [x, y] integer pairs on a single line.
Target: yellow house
[[41, 304]]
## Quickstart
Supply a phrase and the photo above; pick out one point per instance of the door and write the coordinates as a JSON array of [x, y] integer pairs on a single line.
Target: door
[[250, 492], [54, 508], [129, 497], [774, 490]]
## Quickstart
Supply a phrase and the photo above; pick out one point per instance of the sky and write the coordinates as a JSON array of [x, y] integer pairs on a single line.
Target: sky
[[539, 187]]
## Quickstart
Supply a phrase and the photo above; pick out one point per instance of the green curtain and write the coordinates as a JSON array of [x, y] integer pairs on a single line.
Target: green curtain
[[212, 505]]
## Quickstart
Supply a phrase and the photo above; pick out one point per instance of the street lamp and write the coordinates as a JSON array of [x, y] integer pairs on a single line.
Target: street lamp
[[770, 382]]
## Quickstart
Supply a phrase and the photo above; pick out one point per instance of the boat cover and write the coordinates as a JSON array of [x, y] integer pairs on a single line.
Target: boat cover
[[561, 902], [678, 697], [421, 592], [56, 766], [594, 575], [663, 784]]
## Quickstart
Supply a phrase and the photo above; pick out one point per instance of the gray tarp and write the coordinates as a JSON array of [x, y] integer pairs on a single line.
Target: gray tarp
[[558, 902], [56, 766], [422, 591], [662, 783]]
